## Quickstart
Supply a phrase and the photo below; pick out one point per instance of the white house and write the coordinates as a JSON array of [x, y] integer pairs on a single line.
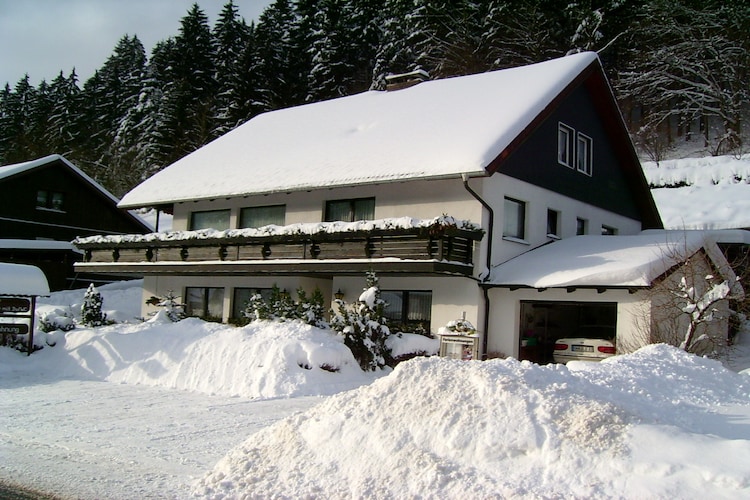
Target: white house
[[438, 188]]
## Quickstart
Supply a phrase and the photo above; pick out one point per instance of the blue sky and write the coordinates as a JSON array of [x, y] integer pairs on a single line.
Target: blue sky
[[42, 37]]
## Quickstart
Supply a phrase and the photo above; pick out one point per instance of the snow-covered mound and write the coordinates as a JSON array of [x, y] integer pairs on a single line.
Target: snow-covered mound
[[654, 424], [262, 360], [702, 193]]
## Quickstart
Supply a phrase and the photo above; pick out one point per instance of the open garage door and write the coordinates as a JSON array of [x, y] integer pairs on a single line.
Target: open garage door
[[543, 322]]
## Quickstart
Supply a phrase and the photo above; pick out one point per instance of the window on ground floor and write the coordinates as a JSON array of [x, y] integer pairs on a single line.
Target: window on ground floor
[[242, 297], [204, 302], [608, 230], [408, 310], [553, 223], [581, 226]]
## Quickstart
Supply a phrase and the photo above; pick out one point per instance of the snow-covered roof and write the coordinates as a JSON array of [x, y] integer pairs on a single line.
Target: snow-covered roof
[[605, 261], [22, 279], [439, 128]]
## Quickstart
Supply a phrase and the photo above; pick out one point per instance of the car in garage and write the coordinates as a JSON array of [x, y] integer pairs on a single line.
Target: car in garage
[[582, 349]]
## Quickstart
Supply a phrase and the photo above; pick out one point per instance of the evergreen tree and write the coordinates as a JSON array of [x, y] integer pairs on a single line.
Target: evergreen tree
[[91, 309], [63, 131]]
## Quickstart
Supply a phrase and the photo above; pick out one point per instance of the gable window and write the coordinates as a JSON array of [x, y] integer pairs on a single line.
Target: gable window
[[263, 216], [565, 149], [581, 226], [553, 223], [408, 310], [584, 153], [204, 302], [51, 200], [515, 219], [608, 230], [350, 210], [216, 219]]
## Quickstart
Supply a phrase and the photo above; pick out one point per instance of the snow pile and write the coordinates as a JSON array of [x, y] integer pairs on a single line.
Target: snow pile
[[702, 193], [655, 424]]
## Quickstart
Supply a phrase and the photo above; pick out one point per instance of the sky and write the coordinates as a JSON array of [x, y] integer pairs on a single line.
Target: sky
[[43, 37]]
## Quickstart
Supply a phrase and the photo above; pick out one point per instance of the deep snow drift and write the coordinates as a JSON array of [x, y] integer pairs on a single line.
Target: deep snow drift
[[658, 423]]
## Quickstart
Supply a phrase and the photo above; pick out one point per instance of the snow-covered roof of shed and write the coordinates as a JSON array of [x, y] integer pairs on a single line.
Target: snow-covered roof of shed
[[605, 261], [439, 128], [22, 279]]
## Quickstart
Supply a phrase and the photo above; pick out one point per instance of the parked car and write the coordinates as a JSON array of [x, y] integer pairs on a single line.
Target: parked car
[[582, 349]]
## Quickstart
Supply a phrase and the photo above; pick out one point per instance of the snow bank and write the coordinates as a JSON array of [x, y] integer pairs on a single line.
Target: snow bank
[[262, 360], [702, 193], [655, 424]]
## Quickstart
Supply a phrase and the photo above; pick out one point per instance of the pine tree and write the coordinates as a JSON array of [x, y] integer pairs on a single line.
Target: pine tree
[[91, 309]]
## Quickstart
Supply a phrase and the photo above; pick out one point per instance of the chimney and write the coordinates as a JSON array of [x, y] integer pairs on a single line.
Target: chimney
[[405, 80]]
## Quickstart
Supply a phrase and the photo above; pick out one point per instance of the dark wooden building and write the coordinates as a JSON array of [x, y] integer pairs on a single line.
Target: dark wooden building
[[44, 205]]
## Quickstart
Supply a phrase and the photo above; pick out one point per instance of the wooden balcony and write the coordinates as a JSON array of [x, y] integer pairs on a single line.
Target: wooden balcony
[[416, 250]]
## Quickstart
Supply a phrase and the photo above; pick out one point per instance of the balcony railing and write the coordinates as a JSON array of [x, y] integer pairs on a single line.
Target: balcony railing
[[443, 240]]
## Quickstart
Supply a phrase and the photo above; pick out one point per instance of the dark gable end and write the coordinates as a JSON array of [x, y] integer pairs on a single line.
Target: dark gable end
[[587, 105]]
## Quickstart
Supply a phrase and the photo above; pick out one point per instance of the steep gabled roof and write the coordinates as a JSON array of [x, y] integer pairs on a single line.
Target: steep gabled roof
[[10, 171], [440, 128]]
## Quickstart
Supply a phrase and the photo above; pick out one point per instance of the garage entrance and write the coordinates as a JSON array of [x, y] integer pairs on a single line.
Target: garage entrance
[[543, 322]]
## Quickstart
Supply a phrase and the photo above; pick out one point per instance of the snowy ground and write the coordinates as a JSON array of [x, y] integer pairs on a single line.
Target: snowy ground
[[124, 412]]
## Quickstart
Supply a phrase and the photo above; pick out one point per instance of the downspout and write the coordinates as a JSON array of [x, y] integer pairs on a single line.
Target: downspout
[[488, 264]]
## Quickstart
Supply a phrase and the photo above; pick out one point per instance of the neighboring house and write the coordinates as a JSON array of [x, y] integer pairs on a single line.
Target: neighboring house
[[45, 204], [432, 186]]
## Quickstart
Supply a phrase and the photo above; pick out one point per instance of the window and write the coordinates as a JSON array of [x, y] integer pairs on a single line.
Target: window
[[608, 231], [204, 302], [350, 210], [242, 296], [515, 219], [216, 219], [408, 310], [584, 154], [49, 200], [565, 137], [553, 217], [263, 216], [581, 226]]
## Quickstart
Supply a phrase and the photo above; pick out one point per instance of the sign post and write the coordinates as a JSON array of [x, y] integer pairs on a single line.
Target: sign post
[[18, 308]]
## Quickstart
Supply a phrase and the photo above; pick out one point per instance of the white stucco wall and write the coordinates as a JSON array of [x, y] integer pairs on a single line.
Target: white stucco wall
[[538, 200]]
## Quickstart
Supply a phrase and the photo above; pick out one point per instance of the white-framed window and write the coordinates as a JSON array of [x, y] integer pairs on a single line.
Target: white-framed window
[[216, 219], [515, 219], [262, 216], [553, 223], [565, 144], [584, 154], [582, 226]]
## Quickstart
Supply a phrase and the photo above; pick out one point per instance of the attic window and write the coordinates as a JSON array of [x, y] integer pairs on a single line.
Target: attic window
[[49, 200], [565, 149], [584, 153]]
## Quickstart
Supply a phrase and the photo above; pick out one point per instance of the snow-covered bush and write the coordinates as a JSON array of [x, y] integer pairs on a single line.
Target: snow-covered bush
[[57, 319], [91, 310], [170, 305], [458, 327], [364, 326], [312, 310], [281, 307]]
